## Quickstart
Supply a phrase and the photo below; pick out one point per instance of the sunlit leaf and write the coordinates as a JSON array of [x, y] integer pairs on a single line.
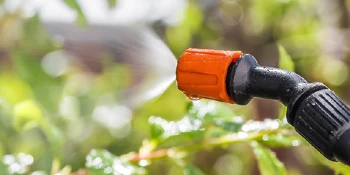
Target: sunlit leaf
[[267, 160], [285, 61], [81, 19], [192, 170], [103, 162], [283, 111], [341, 169], [27, 114], [13, 89]]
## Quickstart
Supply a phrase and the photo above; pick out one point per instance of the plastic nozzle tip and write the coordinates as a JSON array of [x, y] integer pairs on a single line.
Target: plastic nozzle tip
[[201, 73]]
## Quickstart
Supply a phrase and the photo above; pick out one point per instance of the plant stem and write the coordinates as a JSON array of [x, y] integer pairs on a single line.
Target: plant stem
[[224, 140]]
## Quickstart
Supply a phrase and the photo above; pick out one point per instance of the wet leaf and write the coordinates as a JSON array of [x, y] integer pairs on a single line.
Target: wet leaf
[[103, 162], [81, 19], [216, 114], [162, 129], [192, 170], [27, 114], [267, 160], [285, 61], [209, 110], [280, 140], [201, 116], [257, 126], [16, 164]]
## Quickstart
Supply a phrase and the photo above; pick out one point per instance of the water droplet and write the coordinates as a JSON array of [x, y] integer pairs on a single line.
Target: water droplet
[[193, 97], [144, 163], [295, 143], [242, 135], [265, 137]]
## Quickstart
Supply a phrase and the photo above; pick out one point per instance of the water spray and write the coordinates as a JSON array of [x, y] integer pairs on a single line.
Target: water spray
[[313, 109]]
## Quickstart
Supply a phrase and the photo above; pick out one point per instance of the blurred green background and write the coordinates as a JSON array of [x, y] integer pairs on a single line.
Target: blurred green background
[[70, 83]]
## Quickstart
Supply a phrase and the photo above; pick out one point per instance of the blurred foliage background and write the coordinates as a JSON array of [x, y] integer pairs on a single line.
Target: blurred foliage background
[[75, 80]]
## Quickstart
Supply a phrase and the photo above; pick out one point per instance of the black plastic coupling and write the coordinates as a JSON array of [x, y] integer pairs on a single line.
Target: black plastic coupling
[[314, 110]]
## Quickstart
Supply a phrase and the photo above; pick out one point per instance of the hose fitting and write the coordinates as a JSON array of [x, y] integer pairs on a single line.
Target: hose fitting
[[315, 111]]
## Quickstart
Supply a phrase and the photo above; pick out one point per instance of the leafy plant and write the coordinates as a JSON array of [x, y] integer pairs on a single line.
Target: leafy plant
[[47, 127]]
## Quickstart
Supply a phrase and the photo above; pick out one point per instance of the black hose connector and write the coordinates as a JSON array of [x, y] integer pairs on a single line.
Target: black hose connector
[[314, 110]]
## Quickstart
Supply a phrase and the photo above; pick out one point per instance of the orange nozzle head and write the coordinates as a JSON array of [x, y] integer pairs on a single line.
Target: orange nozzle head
[[201, 73]]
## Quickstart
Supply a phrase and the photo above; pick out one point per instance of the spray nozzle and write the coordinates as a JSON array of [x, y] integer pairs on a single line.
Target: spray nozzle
[[202, 73], [230, 76]]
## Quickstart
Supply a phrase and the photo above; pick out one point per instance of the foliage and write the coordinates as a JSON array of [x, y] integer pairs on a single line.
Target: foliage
[[52, 124]]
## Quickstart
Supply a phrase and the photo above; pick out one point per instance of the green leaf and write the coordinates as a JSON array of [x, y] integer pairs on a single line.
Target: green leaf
[[201, 116], [216, 114], [81, 19], [194, 17], [337, 167], [56, 139], [340, 168], [179, 37], [192, 170], [285, 61], [207, 110], [27, 114], [112, 3], [280, 140], [47, 90], [34, 32], [265, 125], [12, 89], [283, 111], [267, 160], [162, 129], [103, 162]]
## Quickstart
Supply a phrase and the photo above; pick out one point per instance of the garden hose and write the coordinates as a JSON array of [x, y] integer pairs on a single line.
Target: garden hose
[[313, 109]]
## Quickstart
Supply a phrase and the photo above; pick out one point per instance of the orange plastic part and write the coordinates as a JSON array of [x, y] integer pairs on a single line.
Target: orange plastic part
[[201, 73]]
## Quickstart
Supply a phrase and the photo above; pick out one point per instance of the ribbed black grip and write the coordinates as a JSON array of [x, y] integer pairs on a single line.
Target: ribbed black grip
[[322, 119]]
